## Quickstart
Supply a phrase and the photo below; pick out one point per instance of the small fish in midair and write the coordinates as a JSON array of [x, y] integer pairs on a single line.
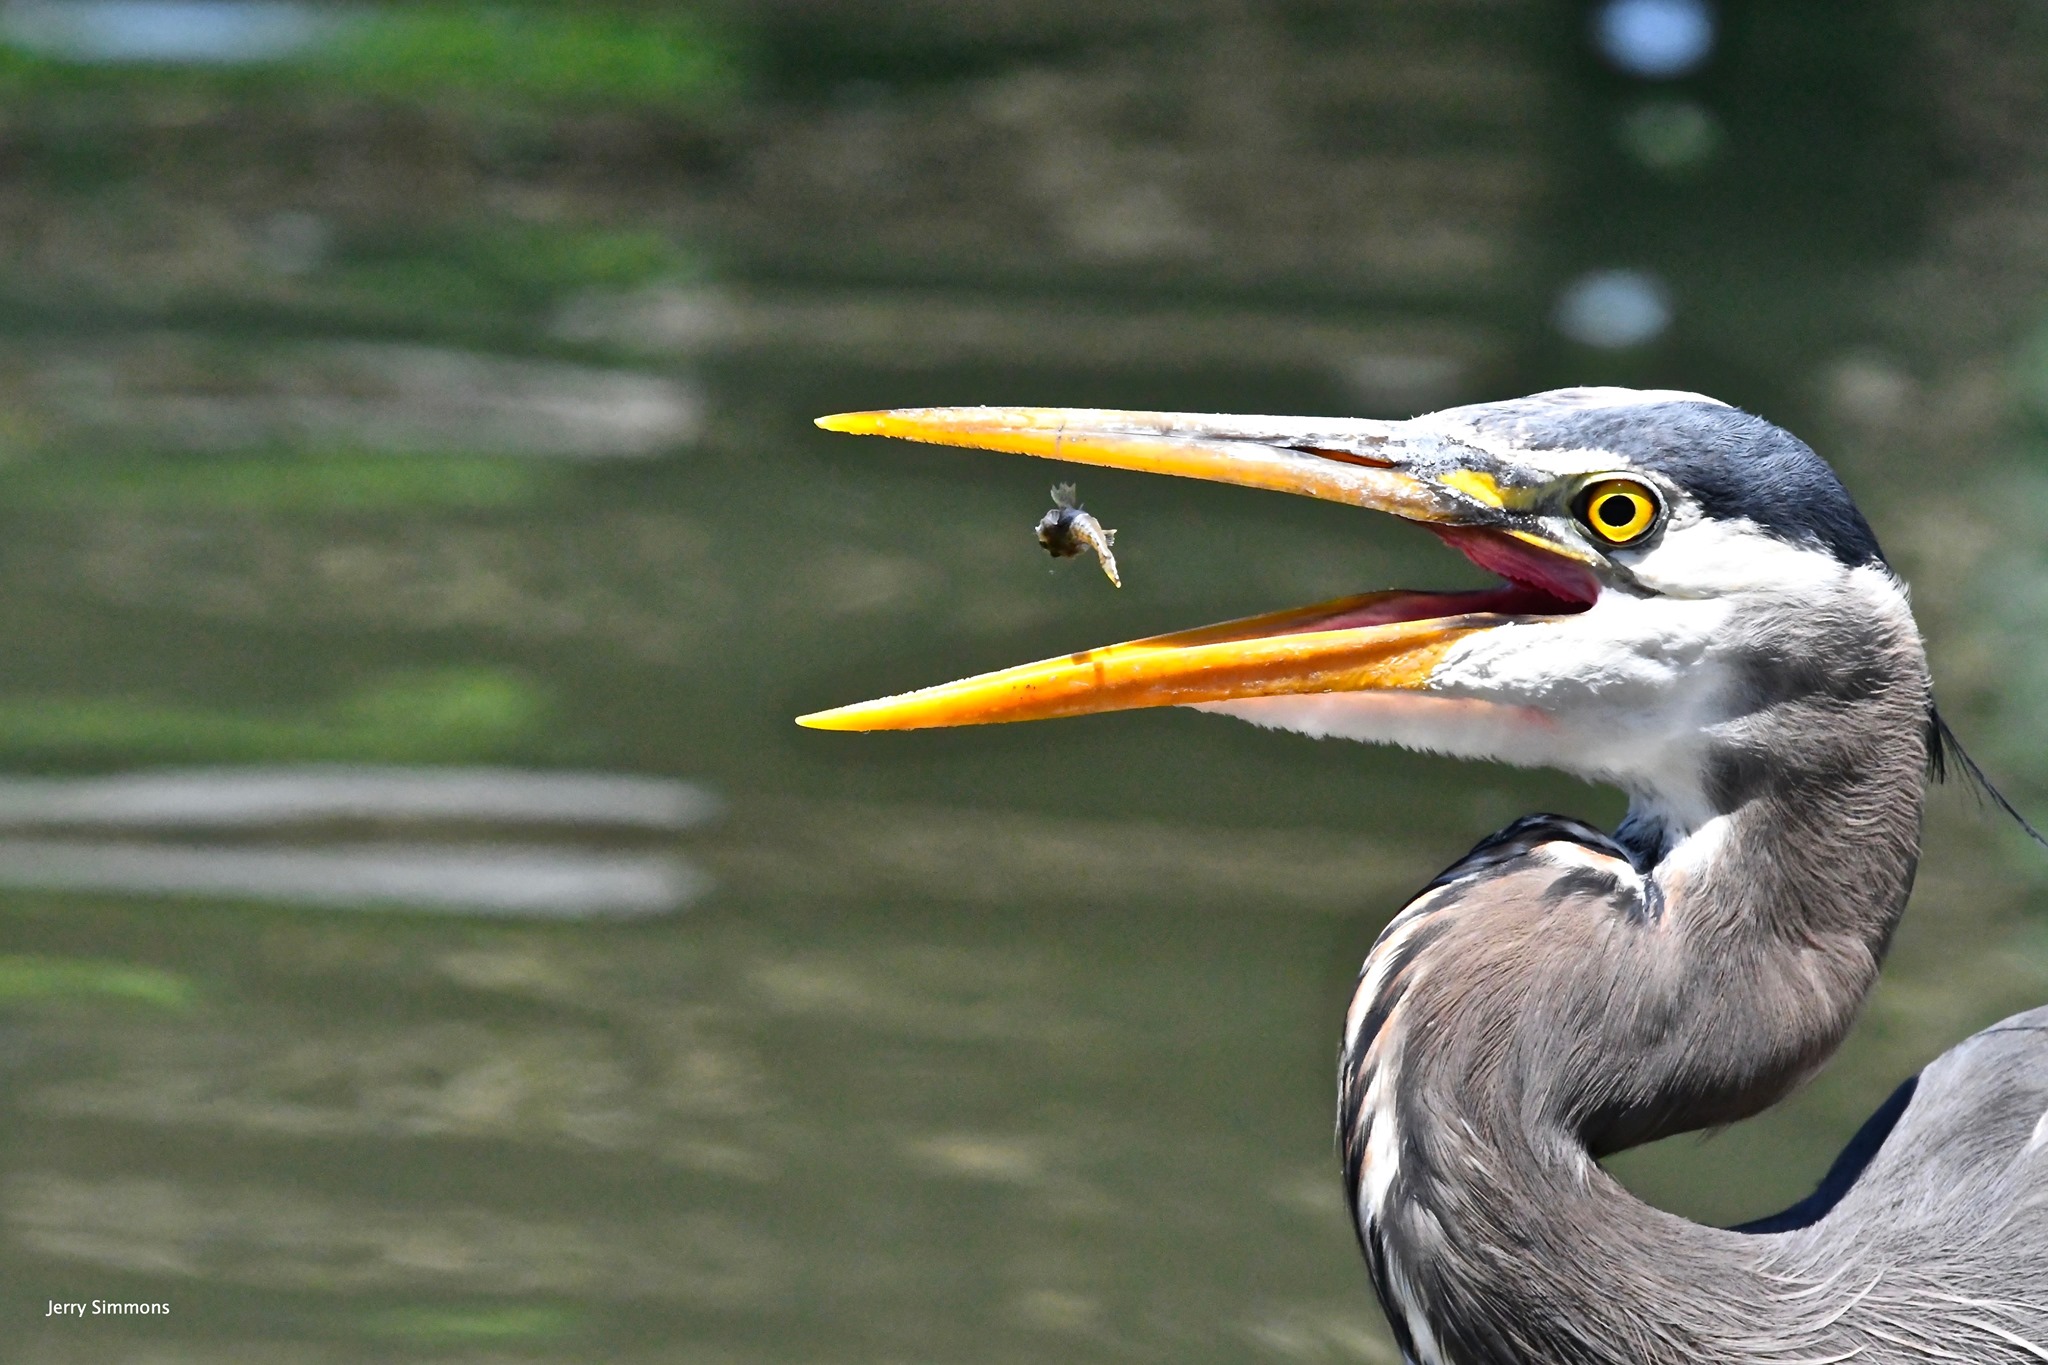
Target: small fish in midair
[[1067, 530]]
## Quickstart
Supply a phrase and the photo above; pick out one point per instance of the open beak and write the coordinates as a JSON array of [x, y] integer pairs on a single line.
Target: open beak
[[1375, 642]]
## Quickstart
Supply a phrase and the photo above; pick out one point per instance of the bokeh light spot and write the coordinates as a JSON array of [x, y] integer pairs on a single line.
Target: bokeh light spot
[[1655, 39], [168, 31], [1613, 309], [1672, 137]]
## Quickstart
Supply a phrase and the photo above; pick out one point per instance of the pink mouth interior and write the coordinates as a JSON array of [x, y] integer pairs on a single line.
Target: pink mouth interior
[[1538, 584]]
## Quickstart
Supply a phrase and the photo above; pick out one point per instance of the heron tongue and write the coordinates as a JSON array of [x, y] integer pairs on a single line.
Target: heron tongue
[[1525, 563]]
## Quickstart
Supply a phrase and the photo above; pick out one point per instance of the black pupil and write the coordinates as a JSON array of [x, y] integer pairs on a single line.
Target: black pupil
[[1616, 510]]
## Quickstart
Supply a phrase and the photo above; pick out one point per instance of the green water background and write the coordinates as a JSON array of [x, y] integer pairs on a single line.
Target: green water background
[[440, 394]]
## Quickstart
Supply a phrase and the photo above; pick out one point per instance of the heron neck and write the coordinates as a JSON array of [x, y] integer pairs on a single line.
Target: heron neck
[[1809, 827], [1776, 911], [1545, 1008], [1558, 1264]]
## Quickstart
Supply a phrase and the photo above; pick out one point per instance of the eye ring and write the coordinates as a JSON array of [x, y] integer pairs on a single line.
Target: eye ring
[[1618, 512]]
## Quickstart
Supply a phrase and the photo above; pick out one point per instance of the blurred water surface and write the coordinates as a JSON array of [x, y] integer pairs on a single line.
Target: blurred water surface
[[423, 934]]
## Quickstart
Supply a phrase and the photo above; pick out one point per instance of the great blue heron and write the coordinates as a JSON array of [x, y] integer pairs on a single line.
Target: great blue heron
[[1693, 610]]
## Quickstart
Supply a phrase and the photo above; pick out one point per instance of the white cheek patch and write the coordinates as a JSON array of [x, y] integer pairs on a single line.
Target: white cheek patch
[[1631, 690], [1458, 726], [1598, 702], [1628, 687], [1619, 652], [1696, 557]]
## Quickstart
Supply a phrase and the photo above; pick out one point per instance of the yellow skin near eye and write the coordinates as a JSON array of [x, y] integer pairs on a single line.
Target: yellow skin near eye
[[1618, 510]]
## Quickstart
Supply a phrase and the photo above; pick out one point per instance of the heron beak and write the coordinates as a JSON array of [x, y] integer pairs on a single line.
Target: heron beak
[[1378, 641]]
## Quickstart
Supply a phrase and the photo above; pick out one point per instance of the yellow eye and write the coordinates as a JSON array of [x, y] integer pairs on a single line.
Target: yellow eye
[[1618, 511]]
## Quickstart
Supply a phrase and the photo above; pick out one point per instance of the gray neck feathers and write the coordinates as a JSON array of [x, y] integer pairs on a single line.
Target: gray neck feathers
[[1780, 908], [1540, 1012]]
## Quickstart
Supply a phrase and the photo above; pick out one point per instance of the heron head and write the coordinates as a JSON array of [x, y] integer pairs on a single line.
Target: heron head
[[1675, 574]]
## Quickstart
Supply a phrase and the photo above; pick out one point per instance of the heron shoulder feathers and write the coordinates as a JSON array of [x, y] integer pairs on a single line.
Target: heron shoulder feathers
[[1977, 1122], [1473, 942], [1942, 1213]]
